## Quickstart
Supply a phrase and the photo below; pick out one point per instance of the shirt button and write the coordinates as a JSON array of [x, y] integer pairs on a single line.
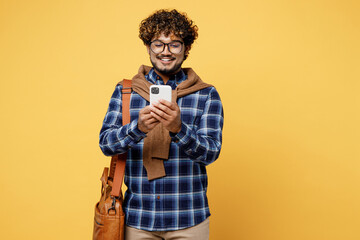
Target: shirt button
[[158, 197]]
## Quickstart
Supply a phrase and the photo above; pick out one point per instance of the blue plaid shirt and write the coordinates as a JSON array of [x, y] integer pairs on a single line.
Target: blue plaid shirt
[[178, 200]]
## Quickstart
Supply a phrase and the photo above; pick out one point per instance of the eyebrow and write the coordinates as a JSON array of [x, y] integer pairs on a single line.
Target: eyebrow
[[168, 42]]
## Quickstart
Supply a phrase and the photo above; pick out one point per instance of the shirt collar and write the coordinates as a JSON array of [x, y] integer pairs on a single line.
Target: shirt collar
[[174, 80]]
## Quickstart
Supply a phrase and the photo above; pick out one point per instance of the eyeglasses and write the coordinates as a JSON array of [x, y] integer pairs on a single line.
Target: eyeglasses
[[158, 46]]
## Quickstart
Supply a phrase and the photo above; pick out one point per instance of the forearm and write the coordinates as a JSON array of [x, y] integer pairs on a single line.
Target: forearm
[[118, 139], [200, 146], [115, 138], [202, 140]]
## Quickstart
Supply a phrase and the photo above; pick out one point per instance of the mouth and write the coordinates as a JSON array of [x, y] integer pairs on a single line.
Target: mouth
[[166, 60]]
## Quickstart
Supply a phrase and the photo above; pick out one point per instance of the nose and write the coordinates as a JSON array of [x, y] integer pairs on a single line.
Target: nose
[[166, 49]]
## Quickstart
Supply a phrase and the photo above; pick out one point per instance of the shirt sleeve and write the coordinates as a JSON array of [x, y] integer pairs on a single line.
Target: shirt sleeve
[[115, 138], [203, 144]]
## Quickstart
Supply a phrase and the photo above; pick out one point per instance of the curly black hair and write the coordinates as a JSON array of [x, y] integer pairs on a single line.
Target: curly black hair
[[167, 22]]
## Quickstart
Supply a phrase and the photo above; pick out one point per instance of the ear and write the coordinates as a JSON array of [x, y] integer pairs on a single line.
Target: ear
[[148, 48], [187, 49]]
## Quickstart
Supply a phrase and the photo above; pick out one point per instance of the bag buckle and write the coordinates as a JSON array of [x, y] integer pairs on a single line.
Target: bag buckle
[[126, 90], [112, 206]]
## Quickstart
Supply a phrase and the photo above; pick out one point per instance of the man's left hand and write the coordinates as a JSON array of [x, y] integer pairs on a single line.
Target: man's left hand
[[168, 114]]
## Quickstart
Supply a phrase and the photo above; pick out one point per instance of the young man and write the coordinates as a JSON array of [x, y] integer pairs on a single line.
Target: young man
[[169, 144]]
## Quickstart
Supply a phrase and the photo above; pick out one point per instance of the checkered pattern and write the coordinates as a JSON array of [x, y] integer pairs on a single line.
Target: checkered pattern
[[178, 200]]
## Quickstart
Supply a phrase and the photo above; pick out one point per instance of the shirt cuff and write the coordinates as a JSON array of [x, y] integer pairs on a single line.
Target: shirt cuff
[[134, 132], [183, 136]]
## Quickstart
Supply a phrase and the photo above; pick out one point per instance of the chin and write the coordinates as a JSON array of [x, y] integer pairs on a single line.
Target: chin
[[167, 70]]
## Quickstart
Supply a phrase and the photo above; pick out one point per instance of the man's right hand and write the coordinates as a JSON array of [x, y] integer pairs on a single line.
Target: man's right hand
[[146, 121]]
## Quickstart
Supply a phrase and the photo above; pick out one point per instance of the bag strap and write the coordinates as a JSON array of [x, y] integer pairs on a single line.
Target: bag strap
[[120, 159], [104, 182]]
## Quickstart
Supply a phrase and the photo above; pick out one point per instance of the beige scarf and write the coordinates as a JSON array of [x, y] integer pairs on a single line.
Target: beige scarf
[[157, 142]]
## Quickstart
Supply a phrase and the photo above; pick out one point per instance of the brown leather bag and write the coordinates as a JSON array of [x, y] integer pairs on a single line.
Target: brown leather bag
[[109, 221]]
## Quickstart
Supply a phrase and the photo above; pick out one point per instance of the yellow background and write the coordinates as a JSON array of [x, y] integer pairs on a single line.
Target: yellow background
[[288, 74]]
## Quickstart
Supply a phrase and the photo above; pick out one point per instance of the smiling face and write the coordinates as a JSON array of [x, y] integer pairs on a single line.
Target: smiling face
[[166, 63]]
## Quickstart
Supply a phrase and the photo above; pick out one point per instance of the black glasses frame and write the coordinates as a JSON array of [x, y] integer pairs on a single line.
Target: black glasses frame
[[166, 44]]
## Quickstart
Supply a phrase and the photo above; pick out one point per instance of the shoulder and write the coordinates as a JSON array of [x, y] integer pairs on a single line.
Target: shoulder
[[210, 92], [120, 85], [117, 91]]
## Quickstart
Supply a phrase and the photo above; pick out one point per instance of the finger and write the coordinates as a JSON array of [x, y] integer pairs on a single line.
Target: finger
[[152, 120], [145, 110], [157, 117], [161, 107], [170, 105], [145, 117], [159, 112]]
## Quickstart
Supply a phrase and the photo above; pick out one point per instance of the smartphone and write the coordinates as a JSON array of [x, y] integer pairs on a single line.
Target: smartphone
[[160, 92]]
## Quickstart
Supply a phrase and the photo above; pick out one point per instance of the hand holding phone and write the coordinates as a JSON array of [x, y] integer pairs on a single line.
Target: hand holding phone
[[166, 113]]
